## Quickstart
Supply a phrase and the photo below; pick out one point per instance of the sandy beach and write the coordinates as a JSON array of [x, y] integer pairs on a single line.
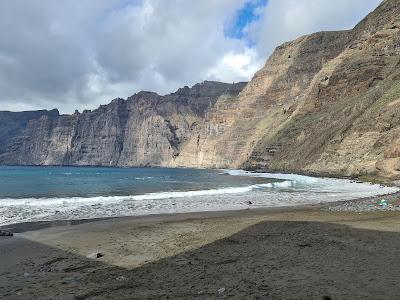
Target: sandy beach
[[304, 252]]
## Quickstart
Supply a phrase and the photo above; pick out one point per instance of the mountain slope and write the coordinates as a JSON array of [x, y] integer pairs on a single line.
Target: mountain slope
[[324, 103], [347, 122]]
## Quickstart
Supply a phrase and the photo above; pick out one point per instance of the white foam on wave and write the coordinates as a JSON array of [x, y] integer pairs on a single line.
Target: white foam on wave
[[321, 184], [291, 177], [41, 202]]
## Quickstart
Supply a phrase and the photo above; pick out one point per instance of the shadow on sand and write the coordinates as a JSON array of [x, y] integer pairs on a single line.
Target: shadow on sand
[[270, 260]]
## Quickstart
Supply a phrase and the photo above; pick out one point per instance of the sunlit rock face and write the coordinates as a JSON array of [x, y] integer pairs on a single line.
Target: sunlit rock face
[[326, 103]]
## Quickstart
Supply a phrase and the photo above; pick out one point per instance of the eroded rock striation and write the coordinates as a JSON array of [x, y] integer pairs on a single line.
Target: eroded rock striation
[[326, 103], [144, 130]]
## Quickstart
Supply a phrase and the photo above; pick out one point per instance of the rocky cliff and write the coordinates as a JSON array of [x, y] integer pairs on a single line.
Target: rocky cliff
[[326, 103], [146, 129], [347, 119]]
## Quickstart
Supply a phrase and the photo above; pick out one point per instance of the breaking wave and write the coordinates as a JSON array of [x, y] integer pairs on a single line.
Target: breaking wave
[[150, 196]]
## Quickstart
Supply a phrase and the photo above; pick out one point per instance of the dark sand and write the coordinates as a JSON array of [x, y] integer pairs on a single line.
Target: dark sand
[[265, 254]]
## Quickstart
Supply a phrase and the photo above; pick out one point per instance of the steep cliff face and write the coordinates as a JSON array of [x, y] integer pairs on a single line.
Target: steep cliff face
[[235, 127], [146, 129], [324, 103], [12, 128], [328, 102], [347, 117]]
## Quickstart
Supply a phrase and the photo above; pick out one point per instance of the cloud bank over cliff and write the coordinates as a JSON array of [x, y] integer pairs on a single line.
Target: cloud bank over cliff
[[78, 54]]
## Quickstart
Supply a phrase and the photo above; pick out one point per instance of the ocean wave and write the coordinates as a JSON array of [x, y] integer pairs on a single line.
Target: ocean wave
[[65, 201], [319, 184], [290, 177]]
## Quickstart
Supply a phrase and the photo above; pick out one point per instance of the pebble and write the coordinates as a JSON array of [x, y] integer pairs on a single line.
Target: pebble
[[72, 278], [221, 291]]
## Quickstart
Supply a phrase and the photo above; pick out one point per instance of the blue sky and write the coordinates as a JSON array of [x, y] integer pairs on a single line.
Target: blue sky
[[248, 13]]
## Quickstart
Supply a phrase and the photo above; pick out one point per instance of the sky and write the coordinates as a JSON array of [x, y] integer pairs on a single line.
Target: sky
[[78, 54]]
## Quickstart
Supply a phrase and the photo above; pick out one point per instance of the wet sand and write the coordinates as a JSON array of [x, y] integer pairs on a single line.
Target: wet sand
[[292, 253]]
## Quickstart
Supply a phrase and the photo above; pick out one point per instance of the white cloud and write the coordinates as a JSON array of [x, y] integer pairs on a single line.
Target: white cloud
[[235, 66], [284, 20], [81, 53]]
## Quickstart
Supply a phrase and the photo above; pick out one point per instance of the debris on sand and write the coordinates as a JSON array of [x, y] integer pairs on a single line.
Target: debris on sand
[[6, 233], [95, 255], [121, 278], [388, 203]]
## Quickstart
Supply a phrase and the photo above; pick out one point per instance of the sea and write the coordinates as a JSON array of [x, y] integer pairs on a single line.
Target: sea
[[30, 194]]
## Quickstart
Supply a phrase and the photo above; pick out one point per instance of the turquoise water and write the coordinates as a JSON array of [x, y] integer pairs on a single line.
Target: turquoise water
[[49, 182], [29, 194]]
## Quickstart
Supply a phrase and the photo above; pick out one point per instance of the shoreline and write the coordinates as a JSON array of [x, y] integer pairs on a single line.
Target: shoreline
[[305, 251], [328, 206], [38, 225], [60, 217]]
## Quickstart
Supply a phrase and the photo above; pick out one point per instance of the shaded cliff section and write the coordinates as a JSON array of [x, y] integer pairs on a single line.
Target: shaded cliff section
[[144, 130]]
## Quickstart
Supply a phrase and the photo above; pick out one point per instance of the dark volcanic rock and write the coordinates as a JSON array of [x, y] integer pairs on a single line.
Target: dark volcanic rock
[[6, 233]]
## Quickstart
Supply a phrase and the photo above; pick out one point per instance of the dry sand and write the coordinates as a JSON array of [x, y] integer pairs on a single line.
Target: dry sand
[[292, 253]]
